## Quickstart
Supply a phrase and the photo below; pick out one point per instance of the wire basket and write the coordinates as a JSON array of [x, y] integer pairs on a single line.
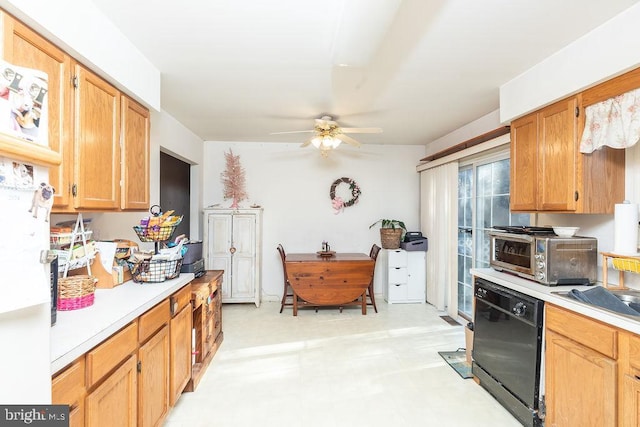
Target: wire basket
[[155, 233], [59, 239], [76, 292], [154, 270]]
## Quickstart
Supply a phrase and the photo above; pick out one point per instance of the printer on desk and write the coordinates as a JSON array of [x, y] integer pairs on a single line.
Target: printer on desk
[[414, 241]]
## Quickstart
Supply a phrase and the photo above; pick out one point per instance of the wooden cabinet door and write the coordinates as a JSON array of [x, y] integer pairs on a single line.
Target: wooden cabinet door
[[25, 48], [114, 402], [135, 155], [557, 157], [580, 384], [97, 142], [67, 388], [524, 163], [180, 348], [153, 380]]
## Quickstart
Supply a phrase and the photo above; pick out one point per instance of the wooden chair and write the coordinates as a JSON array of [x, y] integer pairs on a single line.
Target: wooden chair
[[288, 290], [375, 249]]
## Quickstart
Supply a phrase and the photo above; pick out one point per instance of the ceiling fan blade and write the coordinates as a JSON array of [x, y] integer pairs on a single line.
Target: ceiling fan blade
[[348, 140], [307, 142], [291, 131], [361, 130]]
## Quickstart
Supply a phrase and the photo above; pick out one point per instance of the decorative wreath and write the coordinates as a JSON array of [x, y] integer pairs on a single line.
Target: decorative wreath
[[337, 202]]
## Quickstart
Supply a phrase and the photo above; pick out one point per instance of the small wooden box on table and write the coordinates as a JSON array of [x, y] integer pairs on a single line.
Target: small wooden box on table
[[206, 299]]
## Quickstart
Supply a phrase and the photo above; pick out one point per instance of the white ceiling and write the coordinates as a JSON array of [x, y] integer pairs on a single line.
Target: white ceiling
[[238, 70]]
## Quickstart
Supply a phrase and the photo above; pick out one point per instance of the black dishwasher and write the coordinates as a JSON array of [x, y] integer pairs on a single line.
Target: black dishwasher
[[507, 348]]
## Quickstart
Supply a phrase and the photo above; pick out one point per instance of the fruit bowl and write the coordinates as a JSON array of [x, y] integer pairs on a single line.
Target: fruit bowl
[[566, 231]]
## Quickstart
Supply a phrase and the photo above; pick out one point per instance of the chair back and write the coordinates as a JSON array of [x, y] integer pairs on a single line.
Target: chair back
[[283, 257], [375, 249]]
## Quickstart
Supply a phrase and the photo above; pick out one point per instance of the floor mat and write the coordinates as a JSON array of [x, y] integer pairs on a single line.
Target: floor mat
[[458, 361], [450, 320]]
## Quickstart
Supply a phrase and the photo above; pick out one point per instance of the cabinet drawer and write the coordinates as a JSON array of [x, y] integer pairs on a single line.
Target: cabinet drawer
[[105, 357], [397, 292], [397, 258], [180, 299], [68, 386], [397, 275], [200, 293], [153, 320], [586, 331]]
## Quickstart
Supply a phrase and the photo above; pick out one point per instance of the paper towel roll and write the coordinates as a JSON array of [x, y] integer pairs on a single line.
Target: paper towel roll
[[625, 237]]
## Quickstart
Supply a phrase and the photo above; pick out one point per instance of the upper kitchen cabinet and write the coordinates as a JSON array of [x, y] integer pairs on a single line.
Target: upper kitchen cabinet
[[101, 135], [549, 174], [25, 48], [135, 156], [96, 183]]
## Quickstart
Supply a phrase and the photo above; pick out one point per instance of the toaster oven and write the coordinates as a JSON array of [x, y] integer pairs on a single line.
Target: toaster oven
[[546, 259]]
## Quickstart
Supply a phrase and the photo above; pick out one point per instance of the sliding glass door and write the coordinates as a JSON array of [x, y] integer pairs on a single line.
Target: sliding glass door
[[483, 201]]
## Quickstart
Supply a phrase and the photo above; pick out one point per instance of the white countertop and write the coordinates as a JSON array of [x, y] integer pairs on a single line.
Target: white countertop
[[78, 331], [545, 293]]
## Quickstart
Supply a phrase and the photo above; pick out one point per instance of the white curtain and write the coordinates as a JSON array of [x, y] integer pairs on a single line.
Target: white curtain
[[614, 122], [439, 223]]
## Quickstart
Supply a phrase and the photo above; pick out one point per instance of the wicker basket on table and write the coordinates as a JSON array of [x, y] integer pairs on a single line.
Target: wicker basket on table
[[76, 292]]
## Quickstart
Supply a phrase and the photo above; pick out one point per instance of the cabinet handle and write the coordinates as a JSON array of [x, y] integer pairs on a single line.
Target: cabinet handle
[[232, 250], [74, 190], [139, 366]]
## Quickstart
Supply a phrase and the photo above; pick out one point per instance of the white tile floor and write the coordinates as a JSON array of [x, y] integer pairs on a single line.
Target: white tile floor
[[336, 369]]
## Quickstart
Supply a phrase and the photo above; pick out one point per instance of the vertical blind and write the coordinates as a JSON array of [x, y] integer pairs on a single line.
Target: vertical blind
[[439, 222]]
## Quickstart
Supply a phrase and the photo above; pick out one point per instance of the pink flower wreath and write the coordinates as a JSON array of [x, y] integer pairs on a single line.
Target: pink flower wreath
[[338, 203]]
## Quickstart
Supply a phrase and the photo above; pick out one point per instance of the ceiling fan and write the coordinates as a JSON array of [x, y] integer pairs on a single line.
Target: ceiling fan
[[328, 135]]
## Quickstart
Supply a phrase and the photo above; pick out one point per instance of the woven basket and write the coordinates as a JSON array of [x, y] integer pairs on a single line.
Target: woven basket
[[76, 292], [390, 237]]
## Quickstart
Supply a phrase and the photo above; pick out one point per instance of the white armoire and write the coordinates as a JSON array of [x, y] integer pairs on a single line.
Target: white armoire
[[232, 242]]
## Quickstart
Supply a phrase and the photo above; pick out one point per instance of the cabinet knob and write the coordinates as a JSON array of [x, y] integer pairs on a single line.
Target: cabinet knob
[[232, 250]]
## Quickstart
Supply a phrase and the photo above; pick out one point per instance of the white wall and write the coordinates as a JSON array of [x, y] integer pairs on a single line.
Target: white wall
[[608, 50], [471, 130], [292, 185]]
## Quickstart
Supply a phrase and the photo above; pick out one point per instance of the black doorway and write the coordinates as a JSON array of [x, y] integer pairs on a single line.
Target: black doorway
[[175, 186]]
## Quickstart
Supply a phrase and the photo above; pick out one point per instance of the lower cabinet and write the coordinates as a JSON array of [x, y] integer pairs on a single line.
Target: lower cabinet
[[592, 372], [630, 374], [579, 374], [180, 349], [206, 299], [113, 403], [406, 276], [153, 379], [68, 387], [136, 375]]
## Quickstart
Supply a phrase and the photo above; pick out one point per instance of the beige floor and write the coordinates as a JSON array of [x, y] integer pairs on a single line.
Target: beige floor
[[336, 369]]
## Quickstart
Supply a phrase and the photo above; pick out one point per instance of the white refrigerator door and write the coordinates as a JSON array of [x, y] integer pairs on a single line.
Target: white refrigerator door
[[25, 292]]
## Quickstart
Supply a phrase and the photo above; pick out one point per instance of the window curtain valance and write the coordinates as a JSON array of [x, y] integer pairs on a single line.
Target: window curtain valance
[[614, 122]]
